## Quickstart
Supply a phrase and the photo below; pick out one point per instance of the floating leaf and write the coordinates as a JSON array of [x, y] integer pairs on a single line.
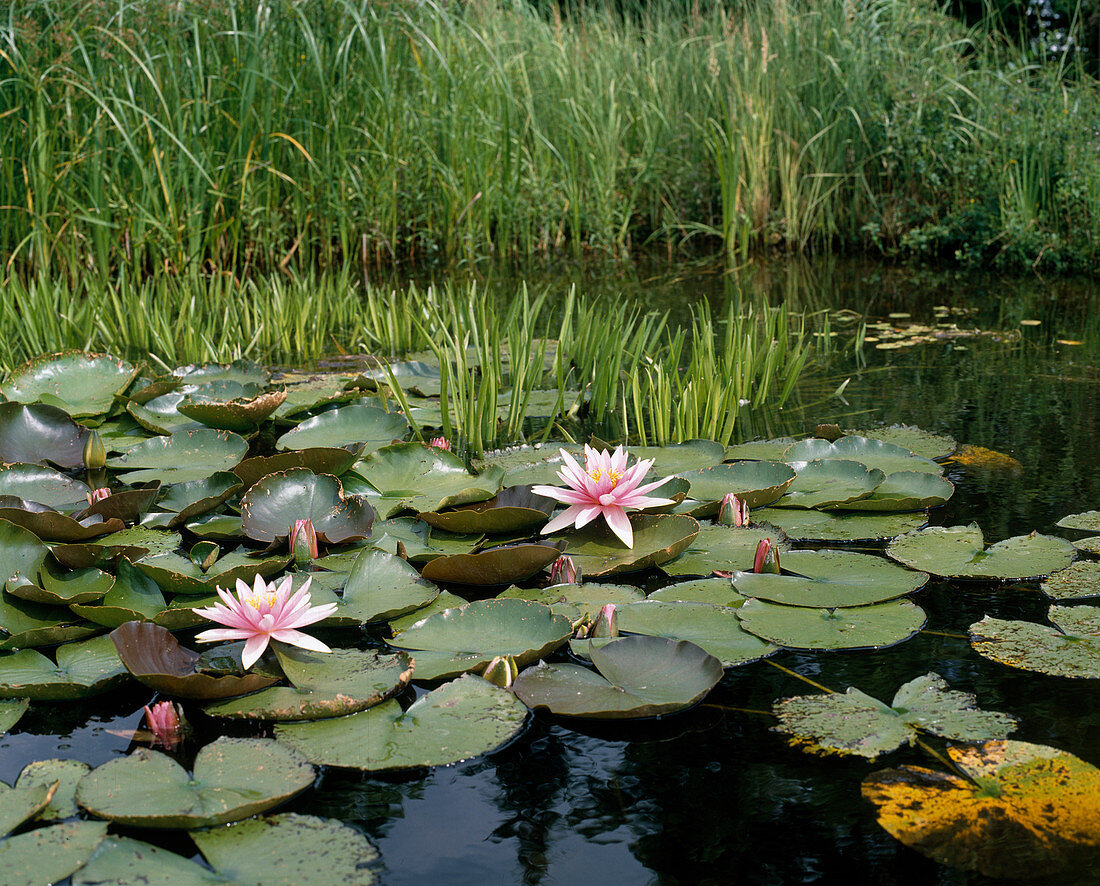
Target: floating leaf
[[233, 413], [233, 778], [657, 539], [757, 483], [24, 624], [82, 669], [1076, 582], [875, 454], [20, 804], [676, 458], [980, 458], [273, 504], [861, 627], [719, 591], [81, 384], [827, 579], [1069, 649], [11, 710], [355, 424], [381, 586], [181, 575], [761, 450], [960, 552], [459, 720], [133, 597], [917, 441], [325, 685], [1087, 521], [49, 855], [61, 776], [39, 433], [830, 483], [825, 526], [189, 500], [515, 509], [723, 548], [321, 461], [906, 491], [853, 722], [493, 566], [575, 601], [43, 485], [181, 457], [638, 676], [1022, 809]]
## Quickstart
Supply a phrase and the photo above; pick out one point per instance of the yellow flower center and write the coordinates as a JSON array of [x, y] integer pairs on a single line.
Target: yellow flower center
[[596, 473], [255, 600]]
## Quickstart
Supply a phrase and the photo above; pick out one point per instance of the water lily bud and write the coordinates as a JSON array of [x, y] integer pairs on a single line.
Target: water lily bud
[[501, 671], [734, 511], [564, 571], [440, 443], [165, 721], [95, 454], [98, 495], [303, 542], [605, 623], [767, 557]]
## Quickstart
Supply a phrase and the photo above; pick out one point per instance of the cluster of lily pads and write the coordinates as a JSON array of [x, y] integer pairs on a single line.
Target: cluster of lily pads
[[127, 498]]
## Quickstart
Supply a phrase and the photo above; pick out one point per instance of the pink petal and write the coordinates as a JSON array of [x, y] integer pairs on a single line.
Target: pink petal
[[620, 524], [587, 515], [565, 518], [216, 634], [303, 641], [253, 648]]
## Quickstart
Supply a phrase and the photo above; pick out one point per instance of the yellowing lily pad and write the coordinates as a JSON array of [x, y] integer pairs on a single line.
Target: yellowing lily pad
[[1071, 648]]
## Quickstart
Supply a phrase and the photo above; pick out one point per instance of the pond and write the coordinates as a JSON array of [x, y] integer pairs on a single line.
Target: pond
[[714, 795]]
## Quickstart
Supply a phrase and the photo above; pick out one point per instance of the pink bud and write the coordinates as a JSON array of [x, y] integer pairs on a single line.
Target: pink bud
[[303, 542], [733, 512], [440, 443], [98, 495], [164, 721], [564, 571], [605, 623], [767, 557]]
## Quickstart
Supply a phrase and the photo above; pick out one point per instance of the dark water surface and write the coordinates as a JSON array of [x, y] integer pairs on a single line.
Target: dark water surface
[[712, 796]]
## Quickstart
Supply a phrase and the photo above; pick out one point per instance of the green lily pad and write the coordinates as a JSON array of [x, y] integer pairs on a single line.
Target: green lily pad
[[923, 443], [757, 483], [81, 384], [474, 634], [723, 548], [325, 685], [381, 586], [1017, 809], [1071, 648], [321, 461], [828, 579], [217, 527], [829, 483], [529, 465], [1087, 521], [189, 500], [719, 591], [853, 722], [657, 540], [50, 525], [677, 458], [25, 624], [62, 776], [760, 450], [515, 509], [50, 854], [159, 415], [273, 504], [241, 414], [19, 804], [715, 629], [233, 778], [1076, 582], [416, 478], [242, 372], [181, 457], [154, 657], [43, 485], [445, 600], [823, 526], [576, 601], [133, 597], [39, 433], [639, 676], [308, 391], [82, 669], [906, 491], [288, 848], [60, 587], [355, 424], [21, 552], [11, 711], [875, 454], [493, 566], [960, 552], [177, 574], [862, 627], [461, 719]]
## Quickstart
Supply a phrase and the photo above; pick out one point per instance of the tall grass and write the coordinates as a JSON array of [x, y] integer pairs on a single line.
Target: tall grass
[[302, 134]]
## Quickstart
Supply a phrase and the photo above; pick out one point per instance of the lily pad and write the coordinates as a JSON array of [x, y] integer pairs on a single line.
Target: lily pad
[[474, 634], [920, 442], [875, 454], [321, 461], [829, 483], [576, 601], [658, 539], [82, 669], [1071, 648], [60, 775], [272, 505], [81, 384], [233, 778], [25, 624], [20, 804], [289, 848], [827, 579], [50, 525], [960, 552], [719, 591], [461, 719], [381, 586], [181, 457], [355, 424], [181, 575], [862, 627], [240, 413], [243, 372], [43, 485], [515, 509], [723, 548], [1087, 521], [11, 711], [50, 854], [61, 587], [155, 658], [1020, 809], [412, 477], [189, 500], [638, 676], [676, 458], [133, 597], [906, 491], [493, 566], [760, 450], [853, 722], [217, 527], [757, 483], [38, 433], [832, 526], [1076, 582], [325, 685]]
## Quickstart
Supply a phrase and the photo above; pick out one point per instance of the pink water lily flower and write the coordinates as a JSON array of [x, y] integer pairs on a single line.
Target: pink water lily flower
[[604, 487], [165, 724], [263, 613]]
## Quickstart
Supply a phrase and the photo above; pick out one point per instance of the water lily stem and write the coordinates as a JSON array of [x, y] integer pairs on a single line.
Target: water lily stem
[[800, 677], [946, 634], [726, 707]]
